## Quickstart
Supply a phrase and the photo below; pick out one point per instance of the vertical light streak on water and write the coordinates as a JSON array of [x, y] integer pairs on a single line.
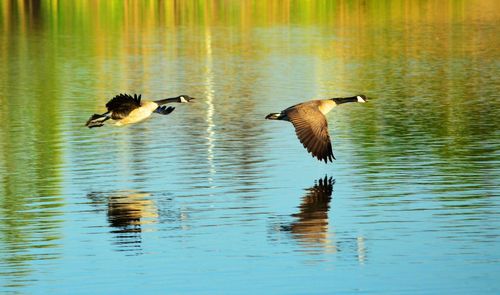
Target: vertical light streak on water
[[361, 250], [209, 99]]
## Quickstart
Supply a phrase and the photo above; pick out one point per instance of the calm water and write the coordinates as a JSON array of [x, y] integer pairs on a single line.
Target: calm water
[[215, 199]]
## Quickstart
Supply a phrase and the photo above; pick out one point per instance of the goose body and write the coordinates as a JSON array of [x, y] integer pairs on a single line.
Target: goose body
[[310, 123], [127, 109], [138, 114]]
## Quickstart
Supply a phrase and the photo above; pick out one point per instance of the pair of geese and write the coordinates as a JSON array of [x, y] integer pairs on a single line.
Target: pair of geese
[[308, 117]]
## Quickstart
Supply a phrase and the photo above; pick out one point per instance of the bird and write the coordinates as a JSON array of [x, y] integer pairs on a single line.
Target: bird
[[127, 109], [310, 123]]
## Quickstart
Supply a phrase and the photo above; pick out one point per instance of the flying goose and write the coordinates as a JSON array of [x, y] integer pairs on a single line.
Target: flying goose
[[127, 109], [310, 123]]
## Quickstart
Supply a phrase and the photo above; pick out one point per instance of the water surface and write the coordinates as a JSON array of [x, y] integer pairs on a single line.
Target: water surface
[[215, 199]]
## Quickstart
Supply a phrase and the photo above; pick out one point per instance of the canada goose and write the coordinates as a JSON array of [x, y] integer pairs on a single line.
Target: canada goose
[[127, 109], [310, 123]]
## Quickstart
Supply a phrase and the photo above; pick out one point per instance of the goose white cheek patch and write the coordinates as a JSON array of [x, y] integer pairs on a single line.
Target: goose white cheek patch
[[360, 99]]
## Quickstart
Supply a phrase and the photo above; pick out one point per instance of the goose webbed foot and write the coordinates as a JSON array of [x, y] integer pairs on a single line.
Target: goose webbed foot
[[164, 110]]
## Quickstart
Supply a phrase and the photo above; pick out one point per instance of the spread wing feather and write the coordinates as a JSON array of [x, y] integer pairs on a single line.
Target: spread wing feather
[[311, 128], [122, 104]]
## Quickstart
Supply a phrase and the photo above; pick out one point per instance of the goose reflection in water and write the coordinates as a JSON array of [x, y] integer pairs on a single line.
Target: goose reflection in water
[[127, 213], [311, 226]]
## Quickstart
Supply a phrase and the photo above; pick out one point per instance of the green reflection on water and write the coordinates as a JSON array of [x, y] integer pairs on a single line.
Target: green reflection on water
[[30, 145], [30, 187]]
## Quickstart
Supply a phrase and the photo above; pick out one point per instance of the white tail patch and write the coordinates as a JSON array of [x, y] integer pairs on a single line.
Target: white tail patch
[[360, 99]]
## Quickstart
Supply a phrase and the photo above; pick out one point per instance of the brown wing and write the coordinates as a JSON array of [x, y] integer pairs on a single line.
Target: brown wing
[[312, 130], [122, 104]]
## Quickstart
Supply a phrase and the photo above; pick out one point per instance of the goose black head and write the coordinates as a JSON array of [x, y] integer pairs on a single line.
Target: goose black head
[[185, 98]]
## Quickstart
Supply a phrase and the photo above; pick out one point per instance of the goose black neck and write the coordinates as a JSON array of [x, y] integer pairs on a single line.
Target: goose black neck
[[339, 100], [168, 100], [171, 99]]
